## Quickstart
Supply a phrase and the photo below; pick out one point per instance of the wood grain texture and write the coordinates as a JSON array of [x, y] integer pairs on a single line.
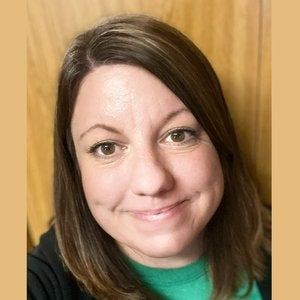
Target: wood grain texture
[[234, 35]]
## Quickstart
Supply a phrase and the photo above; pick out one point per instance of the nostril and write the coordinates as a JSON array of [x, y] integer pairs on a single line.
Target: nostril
[[151, 179]]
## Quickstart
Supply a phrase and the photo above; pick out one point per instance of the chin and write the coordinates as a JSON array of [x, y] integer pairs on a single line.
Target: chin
[[167, 253]]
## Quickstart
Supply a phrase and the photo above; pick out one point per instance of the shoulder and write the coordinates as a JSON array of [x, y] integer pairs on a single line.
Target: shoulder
[[46, 276]]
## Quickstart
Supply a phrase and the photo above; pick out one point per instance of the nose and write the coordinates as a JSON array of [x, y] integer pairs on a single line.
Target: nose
[[150, 176]]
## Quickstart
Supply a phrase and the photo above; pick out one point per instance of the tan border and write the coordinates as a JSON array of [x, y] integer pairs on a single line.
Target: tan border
[[286, 161], [13, 149], [286, 149]]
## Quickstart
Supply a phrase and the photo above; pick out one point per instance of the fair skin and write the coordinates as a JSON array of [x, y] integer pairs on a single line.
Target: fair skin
[[151, 176]]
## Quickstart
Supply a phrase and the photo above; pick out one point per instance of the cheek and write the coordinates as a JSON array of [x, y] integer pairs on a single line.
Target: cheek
[[101, 187], [202, 171]]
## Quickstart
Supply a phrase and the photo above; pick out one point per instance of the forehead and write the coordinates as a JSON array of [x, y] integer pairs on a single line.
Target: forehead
[[115, 92], [121, 82]]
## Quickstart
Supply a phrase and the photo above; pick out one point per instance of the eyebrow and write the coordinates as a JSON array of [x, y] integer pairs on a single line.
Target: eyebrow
[[102, 126], [166, 119], [173, 114]]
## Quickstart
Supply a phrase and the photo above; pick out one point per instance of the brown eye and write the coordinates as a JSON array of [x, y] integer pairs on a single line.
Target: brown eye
[[107, 148], [178, 136]]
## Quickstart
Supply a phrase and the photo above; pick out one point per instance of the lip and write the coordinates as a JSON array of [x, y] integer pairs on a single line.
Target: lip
[[157, 214]]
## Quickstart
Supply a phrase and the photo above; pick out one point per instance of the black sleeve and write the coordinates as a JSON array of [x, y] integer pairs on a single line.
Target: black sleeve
[[265, 286], [47, 279], [42, 283]]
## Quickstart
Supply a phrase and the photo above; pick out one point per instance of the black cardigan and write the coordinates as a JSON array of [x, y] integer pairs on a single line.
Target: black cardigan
[[48, 280]]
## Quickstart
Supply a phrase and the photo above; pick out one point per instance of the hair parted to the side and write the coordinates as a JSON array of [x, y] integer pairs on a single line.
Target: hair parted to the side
[[235, 238]]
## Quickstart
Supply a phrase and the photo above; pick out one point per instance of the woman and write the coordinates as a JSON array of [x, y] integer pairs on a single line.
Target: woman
[[152, 200]]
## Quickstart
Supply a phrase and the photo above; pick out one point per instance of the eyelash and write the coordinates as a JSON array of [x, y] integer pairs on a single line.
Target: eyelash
[[191, 132], [94, 148]]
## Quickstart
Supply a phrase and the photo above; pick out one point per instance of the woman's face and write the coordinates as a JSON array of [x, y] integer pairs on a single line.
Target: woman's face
[[151, 176]]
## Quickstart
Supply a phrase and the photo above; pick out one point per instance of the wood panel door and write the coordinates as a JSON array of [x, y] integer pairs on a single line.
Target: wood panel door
[[234, 35]]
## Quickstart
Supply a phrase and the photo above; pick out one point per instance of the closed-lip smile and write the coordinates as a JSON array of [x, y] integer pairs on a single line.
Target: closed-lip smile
[[155, 214]]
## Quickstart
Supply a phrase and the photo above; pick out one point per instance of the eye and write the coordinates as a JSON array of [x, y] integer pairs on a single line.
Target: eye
[[105, 149], [180, 135]]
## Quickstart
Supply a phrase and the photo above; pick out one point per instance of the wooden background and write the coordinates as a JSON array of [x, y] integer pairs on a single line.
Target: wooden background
[[234, 35]]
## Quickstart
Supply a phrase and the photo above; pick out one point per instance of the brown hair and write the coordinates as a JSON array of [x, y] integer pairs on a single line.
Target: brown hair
[[234, 238]]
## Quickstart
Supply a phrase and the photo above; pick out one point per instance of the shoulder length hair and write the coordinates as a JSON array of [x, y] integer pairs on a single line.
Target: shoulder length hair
[[234, 238]]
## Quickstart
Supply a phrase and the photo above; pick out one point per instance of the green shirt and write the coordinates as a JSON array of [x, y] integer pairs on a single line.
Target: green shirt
[[189, 282]]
